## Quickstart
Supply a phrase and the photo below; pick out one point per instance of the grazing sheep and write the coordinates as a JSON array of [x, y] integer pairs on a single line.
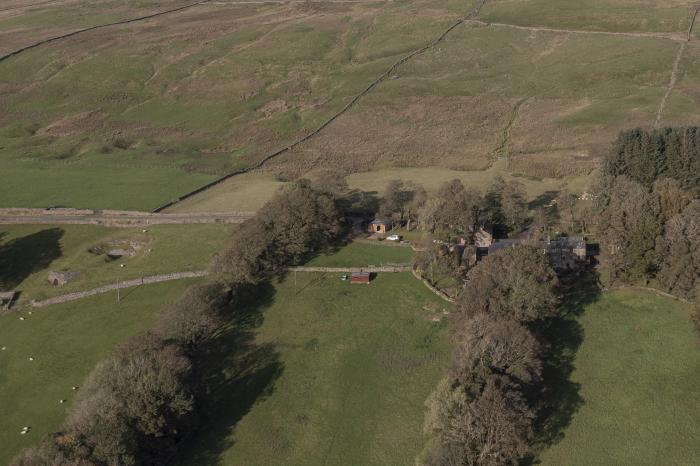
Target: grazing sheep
[[21, 318], [31, 358]]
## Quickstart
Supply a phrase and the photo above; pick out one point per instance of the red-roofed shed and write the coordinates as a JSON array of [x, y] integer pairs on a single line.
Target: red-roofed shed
[[360, 277]]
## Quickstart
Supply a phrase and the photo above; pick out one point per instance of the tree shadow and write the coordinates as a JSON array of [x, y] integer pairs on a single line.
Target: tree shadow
[[236, 373], [358, 202], [23, 256], [560, 399], [543, 200]]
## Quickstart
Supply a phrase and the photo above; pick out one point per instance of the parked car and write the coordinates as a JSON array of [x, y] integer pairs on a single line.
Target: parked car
[[393, 238]]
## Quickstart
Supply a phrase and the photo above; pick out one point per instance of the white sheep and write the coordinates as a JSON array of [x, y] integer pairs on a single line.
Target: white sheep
[[31, 358]]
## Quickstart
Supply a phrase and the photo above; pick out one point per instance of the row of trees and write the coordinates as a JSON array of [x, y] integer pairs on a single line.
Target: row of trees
[[483, 410], [137, 405], [456, 209], [649, 233]]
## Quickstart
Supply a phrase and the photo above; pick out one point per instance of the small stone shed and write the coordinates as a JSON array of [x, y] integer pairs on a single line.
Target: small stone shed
[[379, 225], [62, 277], [361, 277]]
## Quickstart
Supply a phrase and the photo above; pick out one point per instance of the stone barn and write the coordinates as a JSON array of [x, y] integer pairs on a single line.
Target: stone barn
[[379, 226]]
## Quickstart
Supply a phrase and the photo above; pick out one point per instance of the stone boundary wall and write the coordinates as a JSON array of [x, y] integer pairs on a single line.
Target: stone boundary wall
[[114, 286], [388, 269], [438, 292]]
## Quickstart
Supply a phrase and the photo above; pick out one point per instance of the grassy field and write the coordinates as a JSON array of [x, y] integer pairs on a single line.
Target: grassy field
[[66, 341], [29, 252], [637, 372], [352, 366], [360, 254]]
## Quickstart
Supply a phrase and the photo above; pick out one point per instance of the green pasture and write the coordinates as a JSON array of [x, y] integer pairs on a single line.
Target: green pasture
[[635, 385], [335, 374], [66, 342]]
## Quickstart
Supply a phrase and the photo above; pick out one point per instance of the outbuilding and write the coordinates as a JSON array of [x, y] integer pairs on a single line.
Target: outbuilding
[[360, 277], [380, 225]]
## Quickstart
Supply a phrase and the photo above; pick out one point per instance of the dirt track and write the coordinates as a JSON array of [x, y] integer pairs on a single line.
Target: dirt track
[[115, 218], [654, 35]]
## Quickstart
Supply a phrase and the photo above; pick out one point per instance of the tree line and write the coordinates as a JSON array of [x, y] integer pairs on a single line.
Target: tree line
[[648, 213], [455, 209], [138, 405], [484, 409]]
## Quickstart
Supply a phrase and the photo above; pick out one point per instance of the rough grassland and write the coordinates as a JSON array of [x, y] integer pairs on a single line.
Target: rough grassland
[[355, 364], [637, 370], [202, 91], [155, 108], [28, 252], [66, 342], [490, 91], [597, 15]]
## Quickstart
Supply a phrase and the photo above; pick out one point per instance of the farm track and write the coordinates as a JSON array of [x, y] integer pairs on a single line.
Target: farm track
[[652, 35], [675, 69], [125, 219], [671, 85], [502, 150]]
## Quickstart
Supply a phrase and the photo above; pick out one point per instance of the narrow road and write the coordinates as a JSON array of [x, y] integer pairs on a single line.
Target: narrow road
[[115, 218]]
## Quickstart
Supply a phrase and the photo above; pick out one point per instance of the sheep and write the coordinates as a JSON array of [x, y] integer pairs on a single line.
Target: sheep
[[31, 358], [21, 318]]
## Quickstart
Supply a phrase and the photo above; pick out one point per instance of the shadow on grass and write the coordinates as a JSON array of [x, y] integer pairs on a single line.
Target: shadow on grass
[[237, 372], [560, 398], [22, 257]]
